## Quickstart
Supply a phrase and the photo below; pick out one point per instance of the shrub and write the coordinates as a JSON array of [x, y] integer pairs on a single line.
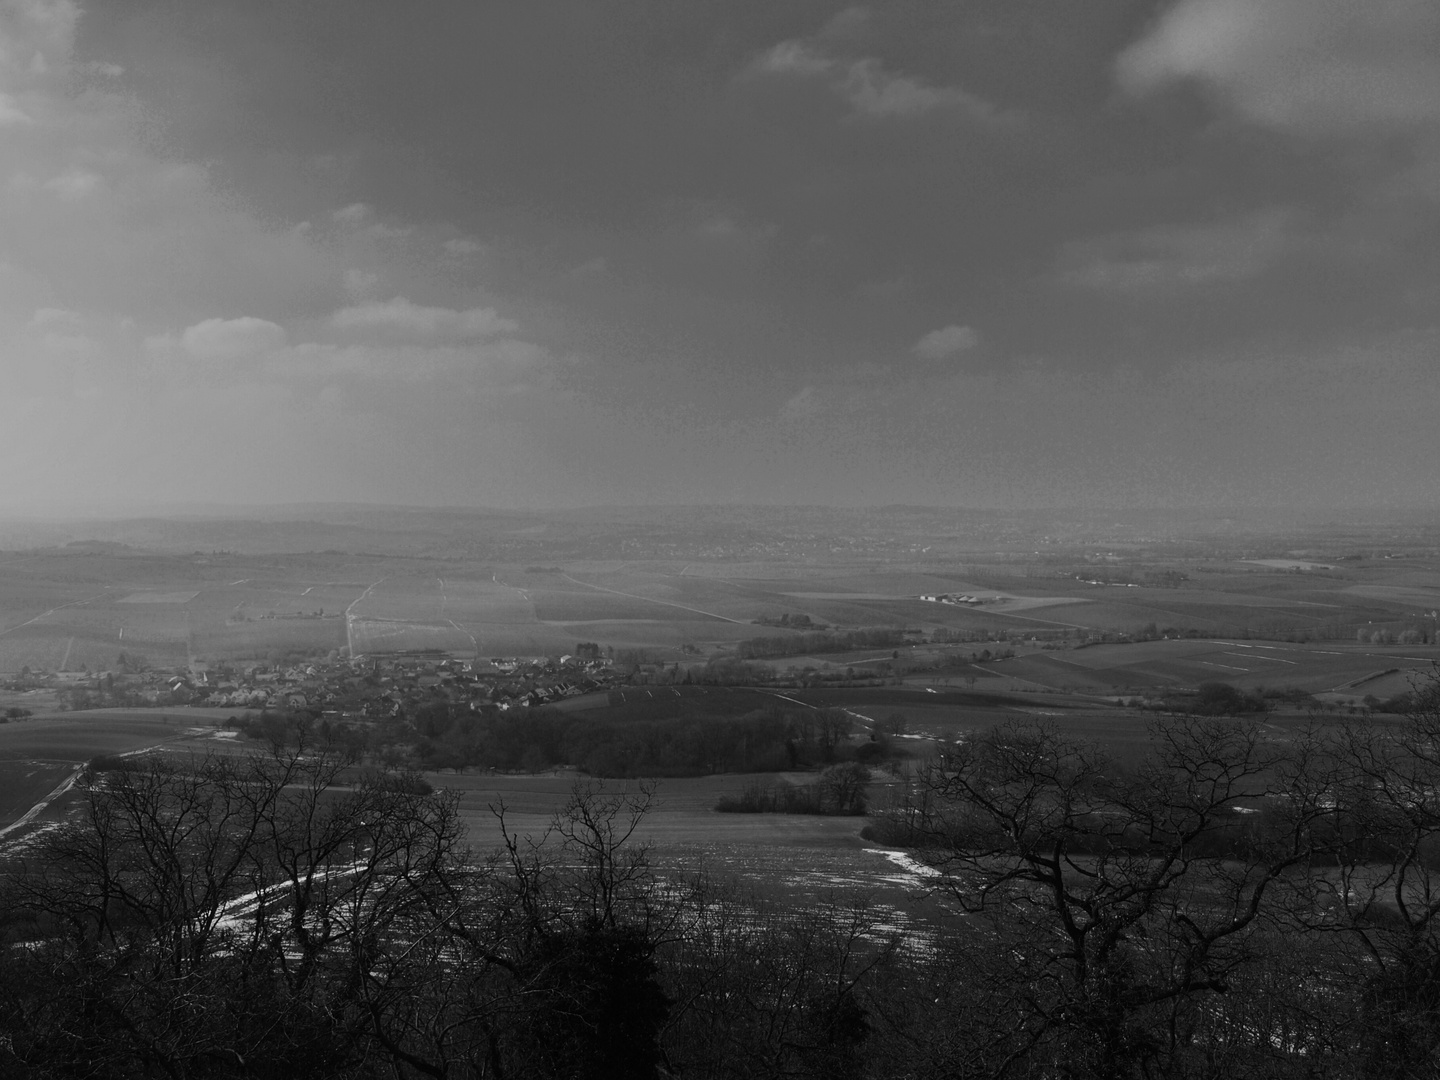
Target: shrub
[[401, 783], [1222, 699], [839, 791]]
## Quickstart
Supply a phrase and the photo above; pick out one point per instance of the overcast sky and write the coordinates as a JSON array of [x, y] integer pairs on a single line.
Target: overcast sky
[[995, 253]]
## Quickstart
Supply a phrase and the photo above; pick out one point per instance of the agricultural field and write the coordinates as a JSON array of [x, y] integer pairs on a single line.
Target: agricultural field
[[928, 713], [683, 810], [480, 584], [39, 753], [91, 634], [1317, 668], [806, 858], [269, 640], [582, 605], [23, 783], [931, 713], [782, 857]]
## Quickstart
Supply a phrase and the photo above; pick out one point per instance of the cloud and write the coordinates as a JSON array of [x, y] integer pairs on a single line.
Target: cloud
[[58, 353], [1310, 66], [11, 114], [393, 341], [35, 40], [354, 214], [866, 84], [847, 24], [143, 306], [74, 184], [1251, 426], [874, 91], [222, 340], [795, 58], [462, 246], [96, 219], [506, 365], [401, 317], [359, 282], [884, 288], [361, 218], [727, 228], [802, 405], [714, 228], [946, 343], [55, 317], [719, 227], [61, 334], [1168, 257]]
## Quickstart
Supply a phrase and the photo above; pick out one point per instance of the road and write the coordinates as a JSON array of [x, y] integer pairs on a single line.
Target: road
[[452, 622], [349, 617], [52, 611]]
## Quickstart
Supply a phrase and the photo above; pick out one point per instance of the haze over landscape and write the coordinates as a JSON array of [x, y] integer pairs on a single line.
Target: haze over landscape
[[992, 254]]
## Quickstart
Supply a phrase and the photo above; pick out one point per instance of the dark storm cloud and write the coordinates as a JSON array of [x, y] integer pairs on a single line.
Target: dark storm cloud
[[622, 251]]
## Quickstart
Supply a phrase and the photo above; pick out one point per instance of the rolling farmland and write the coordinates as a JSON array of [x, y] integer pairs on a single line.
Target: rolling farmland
[[1291, 607]]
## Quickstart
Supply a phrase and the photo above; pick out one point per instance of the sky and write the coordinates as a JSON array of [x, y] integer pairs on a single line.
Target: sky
[[998, 254]]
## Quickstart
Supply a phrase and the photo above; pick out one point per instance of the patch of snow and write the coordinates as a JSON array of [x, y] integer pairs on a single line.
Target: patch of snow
[[912, 867]]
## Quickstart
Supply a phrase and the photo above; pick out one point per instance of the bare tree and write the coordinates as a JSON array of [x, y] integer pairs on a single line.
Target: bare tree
[[1387, 884], [1115, 899], [761, 991], [212, 913]]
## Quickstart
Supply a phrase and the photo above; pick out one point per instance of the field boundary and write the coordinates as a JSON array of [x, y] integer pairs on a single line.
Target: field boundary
[[652, 600]]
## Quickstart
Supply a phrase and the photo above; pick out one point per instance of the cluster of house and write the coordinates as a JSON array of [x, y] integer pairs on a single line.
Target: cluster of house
[[367, 686], [385, 686], [952, 598]]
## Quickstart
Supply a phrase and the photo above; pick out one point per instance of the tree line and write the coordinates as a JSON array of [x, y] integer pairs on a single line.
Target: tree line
[[839, 790], [448, 735], [763, 648]]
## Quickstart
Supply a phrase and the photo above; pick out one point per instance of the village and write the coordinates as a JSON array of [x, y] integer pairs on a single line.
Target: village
[[366, 686]]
